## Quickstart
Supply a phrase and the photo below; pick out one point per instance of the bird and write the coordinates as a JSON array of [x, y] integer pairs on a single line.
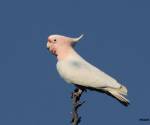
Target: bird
[[76, 70]]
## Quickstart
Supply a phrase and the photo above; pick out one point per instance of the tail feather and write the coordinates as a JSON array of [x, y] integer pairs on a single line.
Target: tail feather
[[118, 94], [122, 90]]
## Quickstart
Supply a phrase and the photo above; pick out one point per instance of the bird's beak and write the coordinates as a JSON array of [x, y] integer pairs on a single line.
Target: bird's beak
[[48, 45], [77, 39]]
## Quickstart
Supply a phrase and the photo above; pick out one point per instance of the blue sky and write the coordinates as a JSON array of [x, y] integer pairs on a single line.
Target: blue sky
[[116, 40]]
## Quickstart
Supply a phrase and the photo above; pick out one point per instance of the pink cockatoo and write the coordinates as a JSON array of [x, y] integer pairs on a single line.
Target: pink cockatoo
[[76, 70]]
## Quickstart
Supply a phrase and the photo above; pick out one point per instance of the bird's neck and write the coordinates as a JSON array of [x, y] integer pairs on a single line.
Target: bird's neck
[[65, 52]]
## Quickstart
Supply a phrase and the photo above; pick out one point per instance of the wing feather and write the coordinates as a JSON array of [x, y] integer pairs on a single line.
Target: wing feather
[[83, 73]]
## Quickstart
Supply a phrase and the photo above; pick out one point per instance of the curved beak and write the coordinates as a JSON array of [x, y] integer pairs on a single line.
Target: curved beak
[[48, 45]]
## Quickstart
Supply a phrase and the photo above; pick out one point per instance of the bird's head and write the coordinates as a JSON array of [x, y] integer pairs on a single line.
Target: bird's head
[[58, 44]]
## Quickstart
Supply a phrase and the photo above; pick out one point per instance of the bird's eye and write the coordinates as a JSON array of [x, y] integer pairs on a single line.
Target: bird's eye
[[54, 41]]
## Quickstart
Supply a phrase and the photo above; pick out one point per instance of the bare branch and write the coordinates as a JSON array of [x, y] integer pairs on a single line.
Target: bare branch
[[76, 95]]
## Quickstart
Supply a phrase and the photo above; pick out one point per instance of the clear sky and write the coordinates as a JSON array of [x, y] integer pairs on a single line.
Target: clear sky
[[117, 40]]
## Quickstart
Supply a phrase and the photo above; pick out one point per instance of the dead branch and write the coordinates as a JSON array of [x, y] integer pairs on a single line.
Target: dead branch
[[76, 95]]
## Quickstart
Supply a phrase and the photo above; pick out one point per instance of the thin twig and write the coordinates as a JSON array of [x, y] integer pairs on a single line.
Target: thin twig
[[76, 95]]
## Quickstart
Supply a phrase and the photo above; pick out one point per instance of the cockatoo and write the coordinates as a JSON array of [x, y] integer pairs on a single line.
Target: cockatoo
[[76, 70]]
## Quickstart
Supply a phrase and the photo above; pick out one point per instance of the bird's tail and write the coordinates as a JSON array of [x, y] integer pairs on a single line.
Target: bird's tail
[[119, 93]]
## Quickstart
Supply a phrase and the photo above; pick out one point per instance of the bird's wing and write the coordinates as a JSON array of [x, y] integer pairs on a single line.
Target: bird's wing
[[82, 73]]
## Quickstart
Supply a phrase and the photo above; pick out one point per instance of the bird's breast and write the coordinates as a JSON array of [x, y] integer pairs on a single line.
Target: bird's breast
[[63, 68]]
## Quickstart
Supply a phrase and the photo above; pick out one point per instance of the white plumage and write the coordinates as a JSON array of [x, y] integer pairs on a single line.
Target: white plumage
[[74, 69]]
